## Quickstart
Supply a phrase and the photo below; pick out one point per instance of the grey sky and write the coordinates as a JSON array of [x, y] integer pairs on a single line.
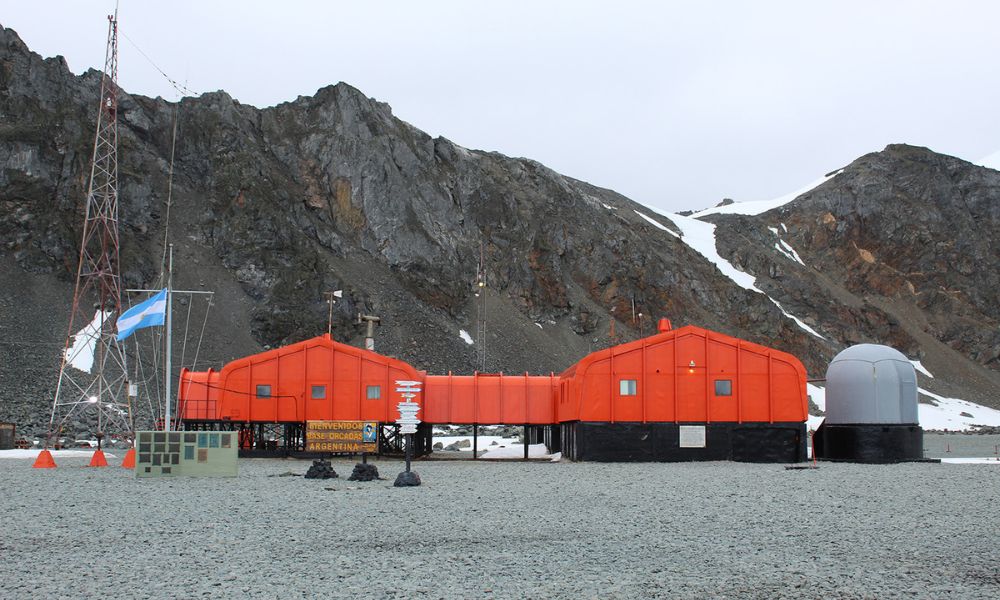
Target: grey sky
[[674, 104]]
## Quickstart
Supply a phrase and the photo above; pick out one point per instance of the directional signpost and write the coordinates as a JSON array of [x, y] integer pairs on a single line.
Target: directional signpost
[[408, 422]]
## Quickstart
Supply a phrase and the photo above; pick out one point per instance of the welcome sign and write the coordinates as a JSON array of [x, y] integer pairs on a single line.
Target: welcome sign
[[347, 437]]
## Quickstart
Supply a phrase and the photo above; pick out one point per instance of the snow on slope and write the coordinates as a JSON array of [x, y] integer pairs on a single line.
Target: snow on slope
[[918, 366], [818, 397], [954, 414], [465, 336], [990, 162], [655, 223], [700, 237], [757, 207]]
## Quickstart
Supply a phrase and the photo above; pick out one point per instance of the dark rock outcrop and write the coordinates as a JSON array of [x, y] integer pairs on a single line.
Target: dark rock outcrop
[[902, 246]]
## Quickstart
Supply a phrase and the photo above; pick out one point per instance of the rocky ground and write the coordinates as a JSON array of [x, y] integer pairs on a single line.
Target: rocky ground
[[506, 530]]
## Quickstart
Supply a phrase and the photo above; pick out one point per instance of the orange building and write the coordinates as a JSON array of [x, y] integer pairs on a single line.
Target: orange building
[[685, 394]]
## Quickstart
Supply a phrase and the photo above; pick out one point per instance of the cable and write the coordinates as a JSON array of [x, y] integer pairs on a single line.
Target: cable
[[180, 88], [201, 336]]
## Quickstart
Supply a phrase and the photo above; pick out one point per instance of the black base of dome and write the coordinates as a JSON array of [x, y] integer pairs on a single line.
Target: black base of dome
[[869, 443]]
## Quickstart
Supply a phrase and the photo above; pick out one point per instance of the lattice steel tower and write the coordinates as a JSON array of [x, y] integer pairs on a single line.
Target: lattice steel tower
[[92, 375]]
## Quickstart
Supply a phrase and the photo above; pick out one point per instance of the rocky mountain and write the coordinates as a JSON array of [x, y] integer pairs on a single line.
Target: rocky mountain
[[273, 207], [902, 246]]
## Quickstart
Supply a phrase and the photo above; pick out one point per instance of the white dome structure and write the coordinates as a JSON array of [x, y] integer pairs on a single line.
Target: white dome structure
[[870, 384], [871, 408]]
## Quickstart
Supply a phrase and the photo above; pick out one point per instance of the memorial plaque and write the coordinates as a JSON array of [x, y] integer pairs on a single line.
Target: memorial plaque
[[346, 437], [183, 455], [692, 436]]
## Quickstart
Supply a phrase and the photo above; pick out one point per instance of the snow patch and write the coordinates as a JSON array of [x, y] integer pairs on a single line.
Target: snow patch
[[465, 336], [463, 151], [990, 162], [32, 453], [515, 451], [786, 249], [483, 442], [813, 423], [700, 236], [916, 365], [607, 206], [946, 416], [761, 206], [971, 461], [797, 320], [817, 395], [656, 223]]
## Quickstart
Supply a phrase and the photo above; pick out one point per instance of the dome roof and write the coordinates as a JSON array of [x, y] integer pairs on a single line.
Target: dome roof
[[870, 353]]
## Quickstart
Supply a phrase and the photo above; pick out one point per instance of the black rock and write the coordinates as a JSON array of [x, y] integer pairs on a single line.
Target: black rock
[[321, 469], [364, 472], [407, 479]]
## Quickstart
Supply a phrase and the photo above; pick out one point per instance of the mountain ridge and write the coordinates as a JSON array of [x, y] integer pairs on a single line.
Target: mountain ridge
[[272, 207]]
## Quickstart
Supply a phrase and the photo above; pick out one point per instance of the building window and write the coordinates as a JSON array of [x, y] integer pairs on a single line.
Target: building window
[[723, 387], [318, 392], [263, 391], [627, 387], [374, 392]]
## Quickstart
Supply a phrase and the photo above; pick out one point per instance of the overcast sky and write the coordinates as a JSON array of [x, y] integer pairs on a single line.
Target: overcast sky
[[674, 104]]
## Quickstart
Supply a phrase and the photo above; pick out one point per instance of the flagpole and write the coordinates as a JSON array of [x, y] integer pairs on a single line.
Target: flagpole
[[170, 281]]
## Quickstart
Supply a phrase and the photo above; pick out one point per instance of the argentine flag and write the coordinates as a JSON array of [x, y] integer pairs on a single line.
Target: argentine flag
[[146, 314]]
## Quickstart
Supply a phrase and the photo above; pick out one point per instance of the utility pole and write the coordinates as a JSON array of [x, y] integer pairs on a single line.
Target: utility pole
[[371, 322], [481, 311], [169, 377], [330, 299]]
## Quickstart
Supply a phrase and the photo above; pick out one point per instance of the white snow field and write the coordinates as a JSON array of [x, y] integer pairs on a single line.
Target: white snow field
[[953, 414], [756, 207]]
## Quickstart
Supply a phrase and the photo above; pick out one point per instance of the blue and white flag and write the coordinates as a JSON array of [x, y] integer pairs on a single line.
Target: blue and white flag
[[146, 314]]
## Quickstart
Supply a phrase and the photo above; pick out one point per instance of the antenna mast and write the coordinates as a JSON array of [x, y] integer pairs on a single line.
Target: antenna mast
[[92, 376], [481, 310]]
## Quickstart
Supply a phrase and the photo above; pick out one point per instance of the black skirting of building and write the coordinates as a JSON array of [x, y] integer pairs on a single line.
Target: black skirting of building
[[874, 443], [673, 442]]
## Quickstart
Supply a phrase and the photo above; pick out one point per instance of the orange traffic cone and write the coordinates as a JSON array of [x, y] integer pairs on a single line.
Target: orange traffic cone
[[98, 459], [129, 461], [44, 461]]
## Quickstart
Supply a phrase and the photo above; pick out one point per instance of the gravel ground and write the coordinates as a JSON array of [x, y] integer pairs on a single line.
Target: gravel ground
[[539, 530]]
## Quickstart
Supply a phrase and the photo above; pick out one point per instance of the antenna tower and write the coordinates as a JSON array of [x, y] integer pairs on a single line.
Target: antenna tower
[[92, 384], [481, 310]]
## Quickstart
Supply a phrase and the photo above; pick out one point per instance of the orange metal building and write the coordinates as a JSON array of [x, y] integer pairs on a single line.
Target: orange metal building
[[656, 398]]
